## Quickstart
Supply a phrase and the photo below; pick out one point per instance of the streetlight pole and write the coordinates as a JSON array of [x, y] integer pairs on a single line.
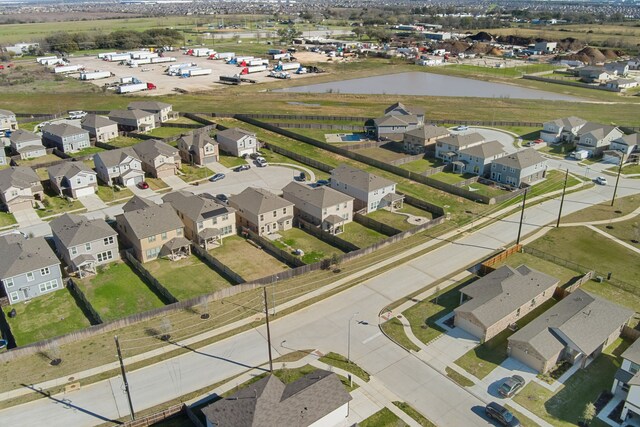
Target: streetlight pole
[[615, 190], [524, 202], [266, 314], [564, 188], [349, 338], [273, 295]]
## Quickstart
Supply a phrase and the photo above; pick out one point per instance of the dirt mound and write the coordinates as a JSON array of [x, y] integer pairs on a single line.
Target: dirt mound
[[479, 48], [570, 43], [516, 40], [495, 52], [482, 36], [454, 47], [611, 54], [594, 54]]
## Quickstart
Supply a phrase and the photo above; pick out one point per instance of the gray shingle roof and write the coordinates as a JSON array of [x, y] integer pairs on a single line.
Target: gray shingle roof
[[152, 148], [259, 201], [112, 158], [197, 139], [633, 352], [19, 255], [137, 202], [63, 130], [129, 114], [95, 122], [396, 120], [322, 197], [235, 133], [74, 230], [6, 113], [416, 111], [150, 220], [17, 176], [596, 129], [268, 402], [569, 122], [629, 140], [148, 105], [359, 179], [69, 169], [485, 150], [428, 132], [463, 140], [196, 207], [22, 135], [521, 159]]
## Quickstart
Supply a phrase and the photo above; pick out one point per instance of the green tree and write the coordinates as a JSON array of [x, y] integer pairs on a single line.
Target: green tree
[[589, 413], [287, 34]]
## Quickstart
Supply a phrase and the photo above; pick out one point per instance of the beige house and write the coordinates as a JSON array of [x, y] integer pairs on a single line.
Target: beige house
[[206, 222], [133, 120], [100, 128], [322, 206], [198, 148], [73, 179], [152, 230], [423, 139], [161, 110], [158, 158], [237, 142], [8, 120], [500, 299], [262, 211], [371, 192], [20, 187]]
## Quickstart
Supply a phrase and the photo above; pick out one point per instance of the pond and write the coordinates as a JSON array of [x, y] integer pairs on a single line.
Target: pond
[[427, 84]]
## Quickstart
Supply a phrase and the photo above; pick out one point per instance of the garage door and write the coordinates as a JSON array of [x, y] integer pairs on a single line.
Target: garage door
[[85, 191], [133, 181]]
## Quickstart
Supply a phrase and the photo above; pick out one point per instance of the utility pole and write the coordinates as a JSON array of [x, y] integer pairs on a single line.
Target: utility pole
[[524, 201], [266, 313], [124, 379], [564, 187], [615, 190]]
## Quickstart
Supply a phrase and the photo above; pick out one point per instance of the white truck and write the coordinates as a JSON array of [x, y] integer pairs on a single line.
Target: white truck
[[193, 72], [143, 55], [202, 52], [117, 57], [254, 69], [64, 69], [42, 59], [95, 75], [52, 61], [257, 61], [163, 59], [279, 56], [284, 66], [105, 54], [135, 87], [174, 69], [137, 62], [223, 55]]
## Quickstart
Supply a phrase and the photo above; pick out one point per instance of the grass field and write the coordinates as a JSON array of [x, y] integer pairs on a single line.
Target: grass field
[[186, 278], [413, 413], [87, 151], [341, 362], [394, 329], [382, 154], [109, 194], [360, 235], [314, 248], [382, 418], [628, 170], [39, 160], [192, 173], [231, 161], [156, 184], [604, 211], [628, 231], [420, 166], [6, 219], [165, 132], [45, 317], [273, 157], [391, 218], [56, 205], [124, 141], [247, 260]]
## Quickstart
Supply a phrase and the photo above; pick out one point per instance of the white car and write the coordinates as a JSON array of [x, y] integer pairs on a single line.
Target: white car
[[77, 115], [601, 180], [461, 128], [261, 161]]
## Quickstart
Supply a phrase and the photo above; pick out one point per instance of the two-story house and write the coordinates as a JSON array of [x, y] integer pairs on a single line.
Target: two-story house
[[152, 230], [206, 221], [595, 138], [66, 138], [627, 382], [523, 167], [561, 130], [322, 206], [120, 167], [477, 159], [27, 144], [447, 148], [133, 120], [28, 268], [370, 192], [73, 179], [84, 244], [621, 148], [423, 139], [161, 110], [262, 211], [237, 142], [158, 158], [398, 119], [20, 187], [100, 128], [198, 148], [8, 120]]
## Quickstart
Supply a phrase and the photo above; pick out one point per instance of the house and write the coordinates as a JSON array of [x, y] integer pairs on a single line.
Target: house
[[8, 121], [317, 399], [477, 159], [121, 167], [133, 120], [423, 139], [595, 138], [100, 128], [501, 298], [575, 330], [399, 109], [206, 221], [72, 179], [84, 244], [398, 119], [447, 148], [545, 47], [626, 143], [627, 382], [158, 158], [66, 138], [595, 74], [152, 230], [27, 144], [161, 110], [622, 84], [28, 268], [370, 192], [198, 148], [20, 187], [561, 130], [237, 142], [262, 211], [634, 64], [523, 167], [322, 206], [618, 68]]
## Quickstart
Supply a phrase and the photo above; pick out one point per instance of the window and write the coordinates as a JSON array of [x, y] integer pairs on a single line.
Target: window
[[634, 367], [275, 214], [226, 230], [261, 217], [48, 286], [224, 217], [151, 239], [200, 225], [284, 211], [105, 256], [44, 271], [164, 236], [152, 253], [14, 193], [78, 181], [87, 246], [74, 250], [14, 296], [108, 240], [8, 282], [30, 276]]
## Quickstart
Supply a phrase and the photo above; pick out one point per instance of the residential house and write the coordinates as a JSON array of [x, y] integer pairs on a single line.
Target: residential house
[[423, 139], [316, 399], [28, 268], [626, 143], [595, 138], [502, 298], [72, 179], [27, 144], [523, 167], [120, 167], [66, 138], [262, 211], [627, 382], [575, 330], [133, 120], [8, 121], [595, 74], [618, 68], [237, 142], [399, 109], [447, 148], [20, 187], [622, 84], [158, 158], [198, 148], [371, 192], [397, 120], [84, 244], [152, 230], [100, 128], [561, 130], [322, 206], [477, 159], [161, 110], [206, 221], [634, 63]]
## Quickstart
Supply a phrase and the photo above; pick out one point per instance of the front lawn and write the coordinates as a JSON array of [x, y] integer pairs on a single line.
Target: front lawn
[[413, 413], [360, 235], [117, 291], [604, 211], [46, 316], [627, 170], [156, 184], [54, 205], [395, 330], [110, 194], [247, 260], [392, 219], [382, 418], [186, 278], [558, 150], [6, 219], [193, 173], [314, 248], [230, 161]]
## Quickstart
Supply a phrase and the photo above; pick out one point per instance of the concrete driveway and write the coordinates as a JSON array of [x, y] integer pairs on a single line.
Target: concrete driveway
[[491, 135], [175, 182], [92, 202], [27, 218]]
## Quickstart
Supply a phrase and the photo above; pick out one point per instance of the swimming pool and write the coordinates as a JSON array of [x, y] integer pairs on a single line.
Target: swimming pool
[[352, 137]]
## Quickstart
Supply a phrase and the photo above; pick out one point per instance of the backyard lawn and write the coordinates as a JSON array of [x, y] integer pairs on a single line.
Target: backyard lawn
[[420, 166], [450, 177], [605, 211], [392, 219], [381, 153], [382, 418], [45, 317], [6, 219], [247, 260], [564, 274], [109, 194], [47, 158], [193, 173], [165, 132], [117, 291], [186, 278], [184, 121], [314, 248], [56, 205], [360, 235], [407, 208], [87, 151], [124, 141]]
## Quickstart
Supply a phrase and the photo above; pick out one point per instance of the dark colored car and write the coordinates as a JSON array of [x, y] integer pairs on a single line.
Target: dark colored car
[[511, 385], [301, 177], [222, 198], [322, 182], [217, 177], [143, 185], [501, 415], [242, 168]]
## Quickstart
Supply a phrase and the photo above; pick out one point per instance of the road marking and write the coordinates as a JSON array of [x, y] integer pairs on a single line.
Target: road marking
[[371, 338]]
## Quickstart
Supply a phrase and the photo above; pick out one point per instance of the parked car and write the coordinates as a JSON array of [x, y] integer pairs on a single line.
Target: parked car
[[143, 185], [501, 414], [77, 114], [511, 385], [255, 155], [242, 168], [601, 180], [261, 161], [529, 144], [302, 177], [223, 198], [322, 182], [217, 177], [461, 128], [538, 141]]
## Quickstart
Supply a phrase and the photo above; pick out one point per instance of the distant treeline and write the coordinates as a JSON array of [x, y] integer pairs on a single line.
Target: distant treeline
[[71, 42]]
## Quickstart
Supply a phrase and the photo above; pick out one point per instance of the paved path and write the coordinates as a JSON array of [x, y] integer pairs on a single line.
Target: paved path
[[27, 218], [175, 182], [312, 175], [92, 202]]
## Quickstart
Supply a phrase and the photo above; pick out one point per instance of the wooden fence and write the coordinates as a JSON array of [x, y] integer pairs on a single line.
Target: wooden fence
[[573, 284], [216, 265], [83, 303], [159, 288], [154, 418], [332, 239], [488, 266], [380, 227], [322, 126], [433, 171], [284, 256], [408, 159]]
